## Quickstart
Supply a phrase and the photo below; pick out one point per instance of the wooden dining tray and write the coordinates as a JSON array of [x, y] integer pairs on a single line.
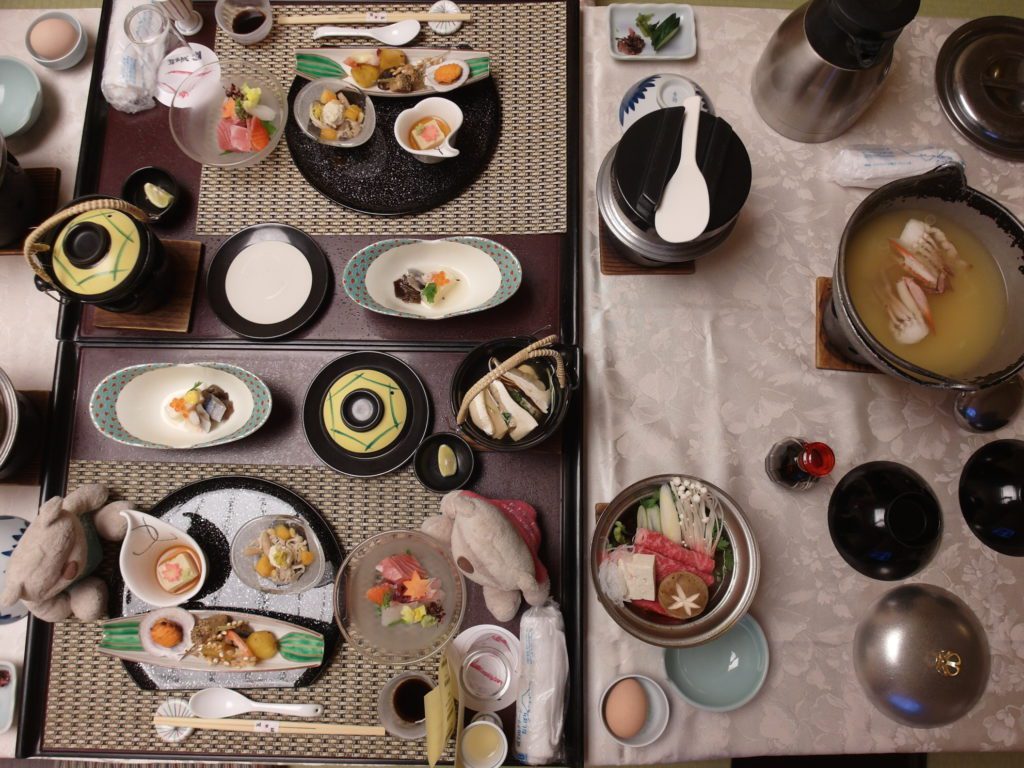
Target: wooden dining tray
[[77, 703]]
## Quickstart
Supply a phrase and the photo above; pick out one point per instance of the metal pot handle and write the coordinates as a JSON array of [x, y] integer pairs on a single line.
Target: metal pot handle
[[33, 246]]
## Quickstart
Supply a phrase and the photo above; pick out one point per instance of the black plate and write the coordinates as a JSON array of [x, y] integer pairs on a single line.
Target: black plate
[[992, 496], [237, 243], [217, 548], [380, 177], [397, 453]]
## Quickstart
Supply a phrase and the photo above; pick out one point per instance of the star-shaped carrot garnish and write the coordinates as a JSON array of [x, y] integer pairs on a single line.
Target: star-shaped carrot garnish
[[417, 587]]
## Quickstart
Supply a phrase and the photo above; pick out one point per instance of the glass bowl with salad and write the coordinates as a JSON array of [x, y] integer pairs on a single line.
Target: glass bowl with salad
[[674, 561]]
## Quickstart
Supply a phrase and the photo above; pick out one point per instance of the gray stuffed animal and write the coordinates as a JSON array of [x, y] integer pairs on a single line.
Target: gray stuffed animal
[[51, 566]]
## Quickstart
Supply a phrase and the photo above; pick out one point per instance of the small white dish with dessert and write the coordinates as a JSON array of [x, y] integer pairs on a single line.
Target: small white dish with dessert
[[161, 565], [427, 131]]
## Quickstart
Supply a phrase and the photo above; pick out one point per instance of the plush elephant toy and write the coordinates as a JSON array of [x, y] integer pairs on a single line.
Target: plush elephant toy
[[51, 566], [495, 544]]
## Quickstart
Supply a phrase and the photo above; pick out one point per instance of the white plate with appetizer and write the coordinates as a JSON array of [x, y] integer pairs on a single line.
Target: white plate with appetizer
[[166, 405], [204, 641], [335, 112], [160, 564], [665, 32], [432, 279], [395, 72]]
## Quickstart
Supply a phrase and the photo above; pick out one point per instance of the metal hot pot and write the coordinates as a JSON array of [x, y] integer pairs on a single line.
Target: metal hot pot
[[633, 176], [943, 191], [100, 251]]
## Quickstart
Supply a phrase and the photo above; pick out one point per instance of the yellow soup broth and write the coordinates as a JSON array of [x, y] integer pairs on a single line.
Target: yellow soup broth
[[969, 318]]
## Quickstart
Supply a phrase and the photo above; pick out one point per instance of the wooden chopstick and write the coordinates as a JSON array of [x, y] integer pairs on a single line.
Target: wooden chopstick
[[372, 18], [269, 726]]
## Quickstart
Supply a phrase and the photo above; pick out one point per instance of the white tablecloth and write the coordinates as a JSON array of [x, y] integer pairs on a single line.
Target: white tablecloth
[[702, 373]]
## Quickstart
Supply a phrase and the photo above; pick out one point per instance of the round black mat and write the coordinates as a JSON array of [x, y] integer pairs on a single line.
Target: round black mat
[[380, 177], [392, 457]]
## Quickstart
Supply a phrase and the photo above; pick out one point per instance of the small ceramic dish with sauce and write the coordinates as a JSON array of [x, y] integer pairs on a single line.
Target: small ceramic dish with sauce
[[634, 710], [161, 565], [441, 470], [428, 130], [155, 191]]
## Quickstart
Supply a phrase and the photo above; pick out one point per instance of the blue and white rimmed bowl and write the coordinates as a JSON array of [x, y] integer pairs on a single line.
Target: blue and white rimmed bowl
[[488, 274], [129, 405]]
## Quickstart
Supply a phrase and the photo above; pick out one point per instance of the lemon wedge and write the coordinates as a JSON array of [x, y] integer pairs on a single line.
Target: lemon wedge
[[157, 196], [446, 461]]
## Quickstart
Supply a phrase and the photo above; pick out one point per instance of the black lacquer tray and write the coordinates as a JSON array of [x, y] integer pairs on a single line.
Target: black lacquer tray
[[380, 177]]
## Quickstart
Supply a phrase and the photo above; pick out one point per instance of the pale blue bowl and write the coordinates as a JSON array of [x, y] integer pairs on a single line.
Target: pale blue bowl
[[723, 674], [21, 96]]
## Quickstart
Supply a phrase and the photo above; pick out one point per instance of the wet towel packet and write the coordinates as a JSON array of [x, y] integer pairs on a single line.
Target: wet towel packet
[[871, 166], [544, 671]]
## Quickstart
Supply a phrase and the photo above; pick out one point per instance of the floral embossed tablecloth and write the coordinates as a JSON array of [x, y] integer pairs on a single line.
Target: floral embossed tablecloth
[[702, 373]]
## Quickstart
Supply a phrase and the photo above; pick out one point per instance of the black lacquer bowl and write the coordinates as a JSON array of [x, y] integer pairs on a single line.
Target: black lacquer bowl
[[992, 496], [885, 520], [380, 177]]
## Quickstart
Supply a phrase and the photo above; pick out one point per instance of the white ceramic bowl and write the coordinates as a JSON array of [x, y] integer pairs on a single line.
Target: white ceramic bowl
[[149, 537], [21, 96], [434, 106], [69, 59], [11, 531], [657, 712]]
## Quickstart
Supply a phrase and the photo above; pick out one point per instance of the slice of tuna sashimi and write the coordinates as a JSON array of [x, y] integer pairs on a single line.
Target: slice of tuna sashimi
[[654, 543], [398, 568], [224, 136]]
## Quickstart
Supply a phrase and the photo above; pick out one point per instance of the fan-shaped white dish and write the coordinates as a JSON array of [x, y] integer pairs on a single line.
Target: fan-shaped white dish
[[149, 537]]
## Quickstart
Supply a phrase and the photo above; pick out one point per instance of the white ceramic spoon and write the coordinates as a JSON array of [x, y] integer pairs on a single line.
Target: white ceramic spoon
[[685, 208], [399, 33], [223, 702]]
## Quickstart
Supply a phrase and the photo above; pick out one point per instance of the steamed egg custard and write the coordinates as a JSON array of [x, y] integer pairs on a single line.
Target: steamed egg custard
[[392, 419]]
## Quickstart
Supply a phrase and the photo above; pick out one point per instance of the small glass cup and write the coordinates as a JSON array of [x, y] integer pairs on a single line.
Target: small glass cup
[[244, 21], [488, 667], [483, 745]]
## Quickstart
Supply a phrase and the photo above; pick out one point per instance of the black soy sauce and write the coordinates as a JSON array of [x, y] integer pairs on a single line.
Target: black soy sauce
[[408, 700], [248, 21]]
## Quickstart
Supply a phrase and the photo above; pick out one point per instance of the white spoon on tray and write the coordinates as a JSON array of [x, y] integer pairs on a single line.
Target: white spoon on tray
[[223, 702], [396, 34], [685, 209]]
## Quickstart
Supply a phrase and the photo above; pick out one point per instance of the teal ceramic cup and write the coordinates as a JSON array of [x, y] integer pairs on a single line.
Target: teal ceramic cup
[[21, 96]]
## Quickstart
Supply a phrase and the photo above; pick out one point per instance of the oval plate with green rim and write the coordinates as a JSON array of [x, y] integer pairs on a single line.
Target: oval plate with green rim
[[487, 274], [128, 405], [723, 674]]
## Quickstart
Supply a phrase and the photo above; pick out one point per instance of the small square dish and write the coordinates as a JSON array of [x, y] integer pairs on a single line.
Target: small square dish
[[623, 18]]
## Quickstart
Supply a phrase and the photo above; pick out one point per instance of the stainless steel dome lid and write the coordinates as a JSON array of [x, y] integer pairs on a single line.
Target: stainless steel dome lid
[[922, 656], [979, 79]]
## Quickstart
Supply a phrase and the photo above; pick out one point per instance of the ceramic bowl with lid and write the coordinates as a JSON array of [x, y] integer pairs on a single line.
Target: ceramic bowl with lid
[[992, 496], [728, 600], [922, 656], [633, 176]]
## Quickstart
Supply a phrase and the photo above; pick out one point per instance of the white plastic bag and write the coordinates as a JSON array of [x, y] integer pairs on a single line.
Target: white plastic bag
[[871, 166], [130, 70], [540, 708]]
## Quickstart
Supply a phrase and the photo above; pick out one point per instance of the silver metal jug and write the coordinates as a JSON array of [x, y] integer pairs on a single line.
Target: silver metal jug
[[826, 63]]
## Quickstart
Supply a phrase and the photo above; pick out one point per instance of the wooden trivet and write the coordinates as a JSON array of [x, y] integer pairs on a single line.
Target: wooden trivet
[[826, 356], [614, 263], [31, 472], [47, 185], [176, 314]]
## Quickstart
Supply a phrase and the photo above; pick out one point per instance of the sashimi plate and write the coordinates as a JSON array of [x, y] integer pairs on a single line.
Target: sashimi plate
[[314, 63], [487, 273]]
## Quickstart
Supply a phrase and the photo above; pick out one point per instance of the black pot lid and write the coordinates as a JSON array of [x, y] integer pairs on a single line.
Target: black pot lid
[[992, 496], [648, 154], [99, 253], [884, 520], [365, 414], [268, 280], [979, 77]]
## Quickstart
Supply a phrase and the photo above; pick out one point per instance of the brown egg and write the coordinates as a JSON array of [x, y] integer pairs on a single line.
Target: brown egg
[[625, 708], [52, 38]]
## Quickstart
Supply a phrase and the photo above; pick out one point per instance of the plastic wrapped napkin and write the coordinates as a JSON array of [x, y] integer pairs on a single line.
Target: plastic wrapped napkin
[[872, 166], [540, 708]]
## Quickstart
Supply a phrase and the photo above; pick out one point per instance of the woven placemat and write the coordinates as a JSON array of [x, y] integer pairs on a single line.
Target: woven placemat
[[92, 704], [522, 191]]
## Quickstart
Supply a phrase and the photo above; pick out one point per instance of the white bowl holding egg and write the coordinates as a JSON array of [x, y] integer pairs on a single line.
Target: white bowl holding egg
[[56, 40], [634, 710]]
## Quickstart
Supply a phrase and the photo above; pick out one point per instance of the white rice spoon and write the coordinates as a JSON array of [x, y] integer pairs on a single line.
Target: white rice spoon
[[223, 702], [685, 207], [399, 33]]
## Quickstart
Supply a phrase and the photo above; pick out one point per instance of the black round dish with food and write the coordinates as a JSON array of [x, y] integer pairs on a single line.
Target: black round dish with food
[[476, 365], [884, 520], [379, 177], [134, 191], [427, 462], [992, 496], [365, 414]]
